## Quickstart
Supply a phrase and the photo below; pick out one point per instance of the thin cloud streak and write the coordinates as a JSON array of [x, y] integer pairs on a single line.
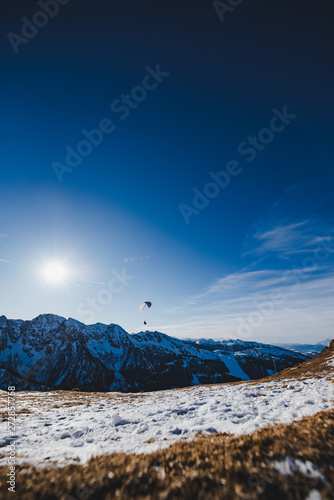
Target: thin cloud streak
[[303, 287]]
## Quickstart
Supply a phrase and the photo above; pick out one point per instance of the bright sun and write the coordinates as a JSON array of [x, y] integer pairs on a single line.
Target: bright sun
[[55, 272]]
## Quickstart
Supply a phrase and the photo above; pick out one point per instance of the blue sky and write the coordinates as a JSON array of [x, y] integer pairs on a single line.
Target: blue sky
[[249, 264]]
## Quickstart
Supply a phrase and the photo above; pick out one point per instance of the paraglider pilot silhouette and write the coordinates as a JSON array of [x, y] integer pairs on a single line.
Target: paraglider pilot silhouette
[[143, 305]]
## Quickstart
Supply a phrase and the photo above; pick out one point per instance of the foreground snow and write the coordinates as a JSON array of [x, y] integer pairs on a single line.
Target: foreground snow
[[97, 423]]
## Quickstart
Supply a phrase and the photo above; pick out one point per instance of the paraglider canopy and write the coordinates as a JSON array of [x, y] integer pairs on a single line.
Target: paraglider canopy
[[144, 304]]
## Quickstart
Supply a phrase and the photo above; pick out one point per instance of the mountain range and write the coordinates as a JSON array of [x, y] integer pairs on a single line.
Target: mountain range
[[51, 352], [308, 349]]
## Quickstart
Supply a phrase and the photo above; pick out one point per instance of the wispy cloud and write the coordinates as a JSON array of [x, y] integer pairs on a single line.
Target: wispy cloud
[[290, 227], [281, 238], [302, 307], [286, 292], [284, 240]]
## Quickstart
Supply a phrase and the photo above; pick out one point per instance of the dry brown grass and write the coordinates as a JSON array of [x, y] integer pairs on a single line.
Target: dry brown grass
[[4, 414], [37, 402], [210, 467]]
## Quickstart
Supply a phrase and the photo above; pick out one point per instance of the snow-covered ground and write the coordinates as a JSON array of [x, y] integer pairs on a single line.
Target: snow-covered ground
[[94, 424]]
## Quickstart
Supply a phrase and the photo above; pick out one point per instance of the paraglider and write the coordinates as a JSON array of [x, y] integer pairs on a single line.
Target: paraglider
[[143, 305]]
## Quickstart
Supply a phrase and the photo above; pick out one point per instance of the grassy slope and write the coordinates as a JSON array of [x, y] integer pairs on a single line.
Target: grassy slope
[[210, 467]]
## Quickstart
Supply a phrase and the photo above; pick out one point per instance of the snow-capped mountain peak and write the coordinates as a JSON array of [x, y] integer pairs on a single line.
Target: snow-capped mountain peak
[[53, 352]]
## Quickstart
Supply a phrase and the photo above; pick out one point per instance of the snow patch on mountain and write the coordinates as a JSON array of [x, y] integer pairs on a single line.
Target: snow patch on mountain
[[233, 365]]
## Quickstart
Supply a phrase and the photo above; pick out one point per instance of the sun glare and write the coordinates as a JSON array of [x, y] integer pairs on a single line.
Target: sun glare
[[55, 272]]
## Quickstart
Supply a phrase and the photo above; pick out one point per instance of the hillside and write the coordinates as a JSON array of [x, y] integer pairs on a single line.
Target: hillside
[[264, 465], [320, 366], [271, 438]]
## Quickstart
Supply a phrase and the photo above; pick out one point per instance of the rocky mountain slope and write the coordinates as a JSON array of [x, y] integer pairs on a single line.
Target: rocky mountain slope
[[50, 352]]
